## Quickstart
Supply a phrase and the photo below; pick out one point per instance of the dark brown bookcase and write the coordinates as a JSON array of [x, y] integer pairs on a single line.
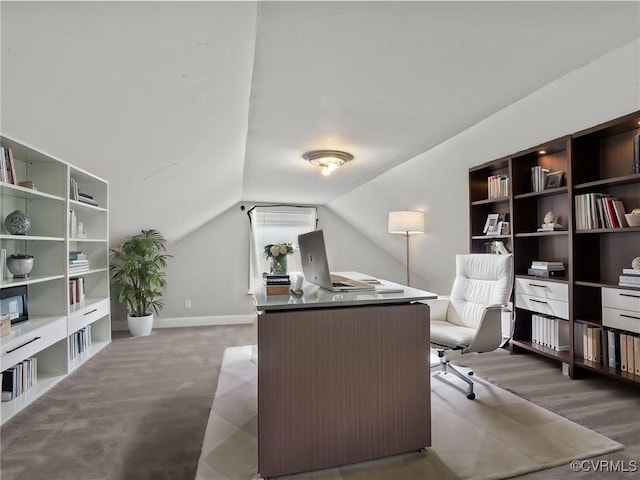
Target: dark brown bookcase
[[596, 160]]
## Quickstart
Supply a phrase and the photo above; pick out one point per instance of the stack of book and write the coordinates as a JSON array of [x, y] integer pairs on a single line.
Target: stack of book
[[630, 278], [550, 332], [19, 378], [538, 178], [88, 199], [541, 268], [276, 284], [498, 186], [76, 290], [78, 263]]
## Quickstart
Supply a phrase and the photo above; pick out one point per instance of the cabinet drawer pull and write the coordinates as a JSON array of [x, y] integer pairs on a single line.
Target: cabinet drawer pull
[[535, 285], [628, 295], [90, 311], [23, 345], [629, 316], [537, 301]]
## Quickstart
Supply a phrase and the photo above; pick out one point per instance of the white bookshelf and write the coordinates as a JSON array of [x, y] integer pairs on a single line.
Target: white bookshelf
[[53, 321]]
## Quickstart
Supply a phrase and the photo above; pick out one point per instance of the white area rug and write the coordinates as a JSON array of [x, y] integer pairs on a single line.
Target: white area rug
[[498, 435]]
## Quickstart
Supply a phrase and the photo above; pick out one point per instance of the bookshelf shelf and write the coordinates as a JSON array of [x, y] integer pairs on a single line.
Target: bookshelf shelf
[[491, 201], [595, 161], [49, 332]]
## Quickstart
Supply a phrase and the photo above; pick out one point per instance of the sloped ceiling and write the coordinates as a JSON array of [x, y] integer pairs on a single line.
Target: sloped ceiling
[[187, 108]]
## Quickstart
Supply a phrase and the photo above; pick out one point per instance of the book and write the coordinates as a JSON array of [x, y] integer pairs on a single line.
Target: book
[[629, 279], [636, 355], [612, 349], [630, 359], [630, 271], [627, 284], [545, 263], [604, 344], [623, 352], [546, 273], [636, 154], [548, 267], [11, 167], [276, 290]]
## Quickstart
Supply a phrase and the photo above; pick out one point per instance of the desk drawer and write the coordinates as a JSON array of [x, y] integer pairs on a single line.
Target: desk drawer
[[542, 289], [88, 314], [543, 305], [622, 319], [621, 298]]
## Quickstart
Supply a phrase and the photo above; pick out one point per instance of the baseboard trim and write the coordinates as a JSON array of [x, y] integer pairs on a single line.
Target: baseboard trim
[[204, 321]]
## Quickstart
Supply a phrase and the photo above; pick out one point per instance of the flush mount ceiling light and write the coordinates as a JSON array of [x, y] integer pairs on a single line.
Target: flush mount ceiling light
[[329, 160]]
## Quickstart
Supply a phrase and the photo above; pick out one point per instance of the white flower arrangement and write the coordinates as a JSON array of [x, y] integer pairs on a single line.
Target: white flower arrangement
[[277, 250]]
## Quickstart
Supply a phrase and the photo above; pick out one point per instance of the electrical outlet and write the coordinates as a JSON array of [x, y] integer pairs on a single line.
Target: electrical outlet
[[187, 303]]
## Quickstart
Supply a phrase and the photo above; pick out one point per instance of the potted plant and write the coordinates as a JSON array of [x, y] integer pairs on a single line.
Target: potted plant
[[138, 276]]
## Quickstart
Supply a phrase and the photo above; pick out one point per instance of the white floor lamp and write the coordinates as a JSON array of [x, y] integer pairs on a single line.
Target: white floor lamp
[[406, 222]]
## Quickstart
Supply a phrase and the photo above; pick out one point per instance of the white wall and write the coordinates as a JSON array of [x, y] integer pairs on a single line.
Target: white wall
[[210, 266], [436, 181]]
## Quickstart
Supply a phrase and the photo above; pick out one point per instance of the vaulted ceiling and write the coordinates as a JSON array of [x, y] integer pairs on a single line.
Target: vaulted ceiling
[[190, 107]]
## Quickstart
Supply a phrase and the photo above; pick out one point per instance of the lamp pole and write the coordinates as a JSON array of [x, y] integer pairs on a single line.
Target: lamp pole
[[407, 236]]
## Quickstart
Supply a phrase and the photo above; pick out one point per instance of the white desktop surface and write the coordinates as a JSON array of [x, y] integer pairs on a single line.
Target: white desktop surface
[[318, 297]]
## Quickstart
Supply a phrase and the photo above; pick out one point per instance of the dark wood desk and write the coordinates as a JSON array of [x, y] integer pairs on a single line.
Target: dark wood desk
[[342, 378]]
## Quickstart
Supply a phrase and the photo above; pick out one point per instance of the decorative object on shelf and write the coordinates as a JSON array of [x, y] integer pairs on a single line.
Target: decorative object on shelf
[[5, 324], [633, 218], [554, 180], [277, 253], [406, 222], [496, 246], [491, 225], [329, 160], [20, 266], [549, 224], [296, 285], [138, 275], [14, 302], [17, 223], [635, 263], [28, 184]]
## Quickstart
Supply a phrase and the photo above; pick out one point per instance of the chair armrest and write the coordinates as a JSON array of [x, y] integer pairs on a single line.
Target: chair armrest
[[488, 335], [438, 308]]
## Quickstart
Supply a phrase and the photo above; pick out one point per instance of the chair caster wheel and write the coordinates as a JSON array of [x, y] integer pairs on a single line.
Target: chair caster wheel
[[471, 396], [422, 450]]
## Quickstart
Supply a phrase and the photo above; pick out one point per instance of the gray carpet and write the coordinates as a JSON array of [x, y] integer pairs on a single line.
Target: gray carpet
[[138, 410]]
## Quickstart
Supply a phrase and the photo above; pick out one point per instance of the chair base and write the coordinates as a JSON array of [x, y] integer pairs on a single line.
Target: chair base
[[446, 367]]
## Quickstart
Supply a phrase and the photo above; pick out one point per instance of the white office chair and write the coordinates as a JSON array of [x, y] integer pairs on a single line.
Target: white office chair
[[470, 319]]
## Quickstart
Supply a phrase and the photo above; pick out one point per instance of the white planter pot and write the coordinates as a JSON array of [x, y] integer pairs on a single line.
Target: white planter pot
[[140, 326]]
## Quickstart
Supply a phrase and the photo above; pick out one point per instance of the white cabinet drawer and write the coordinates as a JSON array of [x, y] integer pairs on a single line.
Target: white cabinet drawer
[[88, 314], [543, 305], [33, 341], [621, 298], [543, 289], [622, 319]]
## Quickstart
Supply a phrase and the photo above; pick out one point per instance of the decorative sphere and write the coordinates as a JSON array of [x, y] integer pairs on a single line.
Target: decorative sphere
[[635, 263], [635, 210], [17, 223], [549, 217]]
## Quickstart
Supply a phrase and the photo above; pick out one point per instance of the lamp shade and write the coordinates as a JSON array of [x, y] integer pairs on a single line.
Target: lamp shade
[[406, 222]]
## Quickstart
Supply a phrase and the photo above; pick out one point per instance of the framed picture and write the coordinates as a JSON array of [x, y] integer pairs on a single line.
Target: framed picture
[[503, 228], [13, 302], [491, 225], [554, 180]]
